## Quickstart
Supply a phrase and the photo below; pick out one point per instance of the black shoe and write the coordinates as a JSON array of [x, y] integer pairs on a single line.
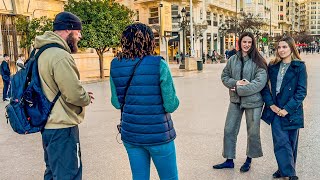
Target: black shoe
[[224, 165], [245, 167], [276, 174], [293, 178]]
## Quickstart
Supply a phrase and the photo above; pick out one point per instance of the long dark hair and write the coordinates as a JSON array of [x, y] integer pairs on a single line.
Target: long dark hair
[[294, 52], [253, 52], [137, 41]]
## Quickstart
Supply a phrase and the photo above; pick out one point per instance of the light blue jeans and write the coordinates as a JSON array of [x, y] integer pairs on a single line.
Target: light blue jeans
[[163, 156]]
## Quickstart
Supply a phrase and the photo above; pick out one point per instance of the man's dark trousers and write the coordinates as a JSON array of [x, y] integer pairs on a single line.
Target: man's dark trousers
[[62, 154], [5, 89]]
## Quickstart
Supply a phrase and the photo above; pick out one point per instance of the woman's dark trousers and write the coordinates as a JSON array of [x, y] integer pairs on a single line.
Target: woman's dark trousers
[[285, 147]]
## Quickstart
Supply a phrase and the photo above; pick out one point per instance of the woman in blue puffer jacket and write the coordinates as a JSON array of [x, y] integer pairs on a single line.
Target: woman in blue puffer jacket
[[142, 87]]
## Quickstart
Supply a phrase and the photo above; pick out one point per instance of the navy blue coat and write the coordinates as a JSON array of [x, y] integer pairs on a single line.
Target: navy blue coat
[[292, 93], [5, 71]]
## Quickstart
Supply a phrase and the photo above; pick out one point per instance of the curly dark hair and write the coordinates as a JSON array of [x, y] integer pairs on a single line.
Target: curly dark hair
[[137, 41]]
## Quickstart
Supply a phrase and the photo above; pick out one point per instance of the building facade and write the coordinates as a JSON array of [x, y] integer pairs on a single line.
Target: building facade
[[202, 39], [9, 9], [310, 16]]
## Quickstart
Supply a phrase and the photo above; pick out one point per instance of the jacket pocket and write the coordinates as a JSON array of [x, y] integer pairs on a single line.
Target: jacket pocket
[[293, 121]]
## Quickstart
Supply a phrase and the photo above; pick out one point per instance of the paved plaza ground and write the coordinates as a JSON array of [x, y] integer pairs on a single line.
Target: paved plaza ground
[[199, 123]]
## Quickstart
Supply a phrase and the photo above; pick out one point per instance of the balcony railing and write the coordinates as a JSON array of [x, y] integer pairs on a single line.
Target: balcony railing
[[154, 20]]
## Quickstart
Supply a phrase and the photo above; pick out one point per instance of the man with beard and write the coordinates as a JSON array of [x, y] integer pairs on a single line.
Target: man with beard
[[58, 72]]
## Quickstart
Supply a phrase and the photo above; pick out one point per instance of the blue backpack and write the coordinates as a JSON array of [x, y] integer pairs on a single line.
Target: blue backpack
[[29, 108]]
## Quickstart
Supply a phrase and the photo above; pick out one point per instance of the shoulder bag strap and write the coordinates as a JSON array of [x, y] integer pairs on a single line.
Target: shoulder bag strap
[[127, 87]]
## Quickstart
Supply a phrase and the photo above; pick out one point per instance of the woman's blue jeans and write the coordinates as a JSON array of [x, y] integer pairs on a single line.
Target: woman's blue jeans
[[163, 157]]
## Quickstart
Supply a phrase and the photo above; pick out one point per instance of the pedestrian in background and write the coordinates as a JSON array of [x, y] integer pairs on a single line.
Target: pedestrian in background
[[178, 57], [214, 56], [245, 76], [142, 88], [232, 51], [20, 62], [284, 105], [5, 74], [58, 73]]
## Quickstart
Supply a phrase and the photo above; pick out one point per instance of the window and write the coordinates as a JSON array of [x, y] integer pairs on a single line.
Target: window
[[137, 15], [174, 10], [154, 15], [281, 8], [281, 17], [215, 19], [248, 1], [209, 18], [220, 19]]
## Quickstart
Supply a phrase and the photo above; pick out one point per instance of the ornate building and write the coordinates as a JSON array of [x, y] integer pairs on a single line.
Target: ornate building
[[9, 9]]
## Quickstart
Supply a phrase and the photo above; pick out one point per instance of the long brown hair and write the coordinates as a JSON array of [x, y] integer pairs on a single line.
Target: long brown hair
[[137, 41], [253, 53], [294, 52]]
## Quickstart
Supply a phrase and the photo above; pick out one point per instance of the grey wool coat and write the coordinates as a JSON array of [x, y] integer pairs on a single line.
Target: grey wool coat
[[249, 95]]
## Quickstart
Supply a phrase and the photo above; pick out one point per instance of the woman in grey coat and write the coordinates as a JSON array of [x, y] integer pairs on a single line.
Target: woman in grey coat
[[245, 75]]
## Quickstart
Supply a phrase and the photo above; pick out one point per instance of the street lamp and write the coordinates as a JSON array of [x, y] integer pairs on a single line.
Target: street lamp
[[222, 32], [183, 25]]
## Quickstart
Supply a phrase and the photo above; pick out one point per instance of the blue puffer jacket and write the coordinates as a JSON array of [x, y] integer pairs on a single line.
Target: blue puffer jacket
[[144, 120]]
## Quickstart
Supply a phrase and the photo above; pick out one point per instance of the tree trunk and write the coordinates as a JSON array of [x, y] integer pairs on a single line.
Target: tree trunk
[[100, 54]]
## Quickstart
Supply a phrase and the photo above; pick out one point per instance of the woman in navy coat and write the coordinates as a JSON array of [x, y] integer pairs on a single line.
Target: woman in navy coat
[[283, 98]]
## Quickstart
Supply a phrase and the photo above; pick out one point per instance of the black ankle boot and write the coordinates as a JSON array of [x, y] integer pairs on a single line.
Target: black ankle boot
[[246, 166], [226, 164], [276, 174], [293, 178]]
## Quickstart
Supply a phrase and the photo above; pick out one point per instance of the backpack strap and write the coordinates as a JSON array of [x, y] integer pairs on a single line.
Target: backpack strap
[[37, 55], [47, 46]]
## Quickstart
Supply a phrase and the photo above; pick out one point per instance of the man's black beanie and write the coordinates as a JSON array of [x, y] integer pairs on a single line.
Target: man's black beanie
[[66, 21]]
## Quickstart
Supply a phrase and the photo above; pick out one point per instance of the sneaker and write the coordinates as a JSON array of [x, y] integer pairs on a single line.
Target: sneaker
[[245, 167], [293, 178], [224, 165], [276, 174], [6, 99]]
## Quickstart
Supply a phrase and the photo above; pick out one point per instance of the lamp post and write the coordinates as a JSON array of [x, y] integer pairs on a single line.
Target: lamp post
[[183, 25], [222, 32]]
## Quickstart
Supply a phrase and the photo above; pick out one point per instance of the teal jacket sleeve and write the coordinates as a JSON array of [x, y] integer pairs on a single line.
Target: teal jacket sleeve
[[114, 96], [168, 92]]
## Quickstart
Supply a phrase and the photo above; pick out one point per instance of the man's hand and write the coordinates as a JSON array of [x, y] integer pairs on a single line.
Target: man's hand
[[91, 96], [282, 113], [275, 108]]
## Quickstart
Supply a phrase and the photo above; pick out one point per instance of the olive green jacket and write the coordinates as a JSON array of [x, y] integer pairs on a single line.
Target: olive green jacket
[[58, 72]]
